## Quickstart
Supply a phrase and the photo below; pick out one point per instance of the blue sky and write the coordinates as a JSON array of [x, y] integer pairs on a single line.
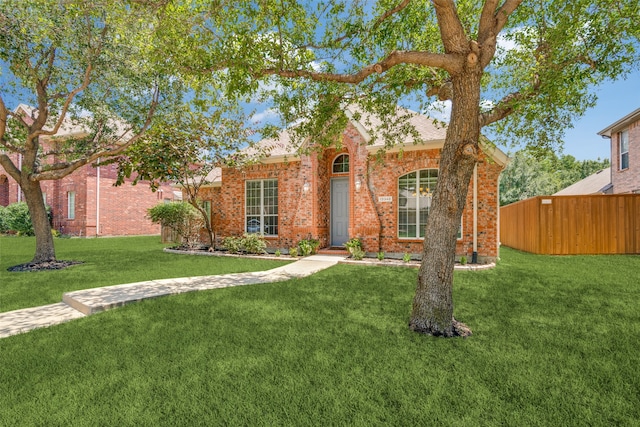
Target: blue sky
[[615, 100]]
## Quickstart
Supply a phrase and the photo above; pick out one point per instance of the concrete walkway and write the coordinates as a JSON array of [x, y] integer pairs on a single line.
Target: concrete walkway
[[89, 301]]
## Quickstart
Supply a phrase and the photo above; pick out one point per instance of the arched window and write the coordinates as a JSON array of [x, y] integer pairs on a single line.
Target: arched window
[[415, 190], [341, 164]]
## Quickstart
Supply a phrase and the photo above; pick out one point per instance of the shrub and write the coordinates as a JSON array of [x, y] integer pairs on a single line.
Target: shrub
[[352, 244], [3, 220], [308, 246], [293, 252], [17, 218], [380, 256], [463, 260], [182, 218], [232, 244], [277, 252], [253, 243], [357, 253], [406, 257]]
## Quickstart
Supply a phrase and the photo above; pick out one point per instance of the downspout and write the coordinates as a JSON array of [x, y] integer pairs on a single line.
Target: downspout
[[474, 255], [98, 199]]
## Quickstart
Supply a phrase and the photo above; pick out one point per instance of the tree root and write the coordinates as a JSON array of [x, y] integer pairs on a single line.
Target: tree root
[[459, 329]]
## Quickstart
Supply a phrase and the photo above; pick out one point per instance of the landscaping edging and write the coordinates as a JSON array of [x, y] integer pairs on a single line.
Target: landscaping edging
[[367, 261]]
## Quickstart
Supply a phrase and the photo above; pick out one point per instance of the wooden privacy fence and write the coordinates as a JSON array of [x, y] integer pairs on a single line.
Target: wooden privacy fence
[[572, 225]]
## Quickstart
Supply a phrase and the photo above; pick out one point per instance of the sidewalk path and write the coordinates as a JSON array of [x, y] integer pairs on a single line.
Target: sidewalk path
[[89, 301]]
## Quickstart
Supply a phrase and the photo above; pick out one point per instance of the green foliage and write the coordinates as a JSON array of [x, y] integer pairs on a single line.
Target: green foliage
[[293, 252], [357, 253], [380, 255], [541, 173], [181, 217], [277, 252], [353, 244], [308, 246], [16, 218], [253, 243], [406, 257], [232, 244], [463, 260], [4, 227]]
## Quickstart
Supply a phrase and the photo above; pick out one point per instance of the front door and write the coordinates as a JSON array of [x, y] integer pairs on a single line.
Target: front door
[[339, 211]]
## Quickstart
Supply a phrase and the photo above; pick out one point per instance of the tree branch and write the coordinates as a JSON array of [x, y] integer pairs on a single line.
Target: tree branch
[[452, 33], [449, 62], [65, 168], [403, 4], [492, 22]]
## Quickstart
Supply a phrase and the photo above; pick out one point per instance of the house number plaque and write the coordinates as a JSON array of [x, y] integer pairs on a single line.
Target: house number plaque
[[385, 199]]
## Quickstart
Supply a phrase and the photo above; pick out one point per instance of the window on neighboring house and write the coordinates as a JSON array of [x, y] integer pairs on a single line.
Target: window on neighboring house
[[206, 205], [261, 202], [623, 139], [71, 205], [415, 191], [341, 164]]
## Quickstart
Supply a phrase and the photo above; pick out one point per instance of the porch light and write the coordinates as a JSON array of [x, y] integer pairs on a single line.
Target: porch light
[[358, 184], [306, 186]]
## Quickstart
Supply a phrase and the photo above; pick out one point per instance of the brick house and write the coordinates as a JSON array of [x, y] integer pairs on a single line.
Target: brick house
[[624, 136], [338, 194], [86, 203]]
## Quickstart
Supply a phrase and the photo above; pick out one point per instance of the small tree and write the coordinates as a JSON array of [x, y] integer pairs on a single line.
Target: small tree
[[187, 147], [89, 70]]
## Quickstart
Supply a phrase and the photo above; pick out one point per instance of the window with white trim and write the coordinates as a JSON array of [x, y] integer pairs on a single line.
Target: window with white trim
[[341, 164], [71, 205], [261, 207], [623, 142], [415, 192]]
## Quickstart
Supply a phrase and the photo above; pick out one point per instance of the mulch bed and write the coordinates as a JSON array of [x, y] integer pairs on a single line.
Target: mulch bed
[[43, 266]]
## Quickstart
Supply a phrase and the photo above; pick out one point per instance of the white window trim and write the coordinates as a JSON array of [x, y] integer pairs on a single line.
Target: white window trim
[[262, 207], [333, 163], [624, 135], [460, 234], [71, 205]]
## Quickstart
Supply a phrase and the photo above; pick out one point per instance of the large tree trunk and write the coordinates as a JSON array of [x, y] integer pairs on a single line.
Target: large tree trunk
[[45, 251], [433, 303]]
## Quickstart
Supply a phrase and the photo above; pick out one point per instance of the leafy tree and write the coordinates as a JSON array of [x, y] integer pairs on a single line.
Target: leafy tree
[[523, 68], [186, 147], [529, 174], [89, 69]]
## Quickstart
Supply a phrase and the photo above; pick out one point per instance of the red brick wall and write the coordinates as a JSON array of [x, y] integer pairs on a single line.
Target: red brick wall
[[307, 214], [628, 180], [122, 209]]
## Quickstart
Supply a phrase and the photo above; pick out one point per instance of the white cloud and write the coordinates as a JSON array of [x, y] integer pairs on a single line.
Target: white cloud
[[267, 115], [439, 110]]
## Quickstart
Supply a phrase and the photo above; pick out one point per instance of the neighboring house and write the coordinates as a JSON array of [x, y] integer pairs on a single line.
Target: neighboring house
[[624, 135], [597, 183], [86, 203], [338, 194]]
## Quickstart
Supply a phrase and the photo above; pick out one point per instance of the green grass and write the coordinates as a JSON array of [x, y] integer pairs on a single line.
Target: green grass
[[555, 343], [106, 261]]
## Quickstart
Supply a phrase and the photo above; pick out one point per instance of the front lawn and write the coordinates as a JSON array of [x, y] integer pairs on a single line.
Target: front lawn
[[106, 262], [555, 343]]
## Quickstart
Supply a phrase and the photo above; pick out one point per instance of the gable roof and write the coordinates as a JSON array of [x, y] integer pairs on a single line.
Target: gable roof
[[624, 122], [598, 183], [430, 132]]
